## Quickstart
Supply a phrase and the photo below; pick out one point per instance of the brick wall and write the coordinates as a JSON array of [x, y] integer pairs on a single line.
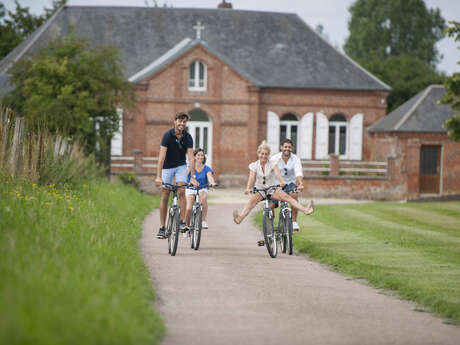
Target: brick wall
[[405, 147], [238, 111]]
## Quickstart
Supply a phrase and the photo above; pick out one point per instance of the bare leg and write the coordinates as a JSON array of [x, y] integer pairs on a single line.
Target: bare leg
[[204, 202], [294, 211], [282, 196], [188, 211], [249, 206], [164, 205]]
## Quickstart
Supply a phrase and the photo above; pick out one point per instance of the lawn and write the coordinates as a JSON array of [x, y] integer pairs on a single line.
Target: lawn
[[70, 266], [411, 248]]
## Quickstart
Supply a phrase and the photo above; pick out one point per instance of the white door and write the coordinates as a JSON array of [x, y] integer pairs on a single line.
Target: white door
[[201, 132]]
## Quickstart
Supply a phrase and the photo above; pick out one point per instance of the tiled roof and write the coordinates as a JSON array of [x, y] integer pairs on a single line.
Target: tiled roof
[[271, 49], [421, 113]]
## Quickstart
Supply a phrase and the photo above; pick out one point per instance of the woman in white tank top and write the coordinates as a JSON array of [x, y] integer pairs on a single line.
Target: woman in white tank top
[[262, 175]]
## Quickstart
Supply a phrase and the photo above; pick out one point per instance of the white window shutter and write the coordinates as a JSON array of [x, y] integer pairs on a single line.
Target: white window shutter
[[273, 132], [322, 135], [356, 137], [116, 146], [306, 136]]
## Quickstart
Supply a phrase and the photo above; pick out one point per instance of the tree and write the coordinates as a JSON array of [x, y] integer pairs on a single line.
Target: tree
[[452, 85], [72, 90], [18, 25], [406, 75], [396, 47], [394, 28]]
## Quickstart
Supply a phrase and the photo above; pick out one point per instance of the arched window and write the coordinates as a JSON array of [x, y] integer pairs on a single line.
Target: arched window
[[289, 125], [338, 135], [197, 76], [200, 128]]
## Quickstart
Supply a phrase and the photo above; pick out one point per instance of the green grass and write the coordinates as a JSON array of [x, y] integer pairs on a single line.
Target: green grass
[[70, 266], [412, 248]]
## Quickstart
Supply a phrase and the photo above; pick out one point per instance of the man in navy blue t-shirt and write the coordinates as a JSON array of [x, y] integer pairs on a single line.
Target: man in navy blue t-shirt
[[176, 143]]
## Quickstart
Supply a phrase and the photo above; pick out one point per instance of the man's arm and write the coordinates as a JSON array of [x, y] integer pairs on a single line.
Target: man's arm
[[298, 173], [161, 161]]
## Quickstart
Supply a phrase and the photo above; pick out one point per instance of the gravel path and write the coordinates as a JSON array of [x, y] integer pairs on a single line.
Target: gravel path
[[232, 292]]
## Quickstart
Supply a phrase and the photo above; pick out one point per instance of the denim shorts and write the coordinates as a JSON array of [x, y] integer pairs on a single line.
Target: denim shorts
[[290, 187], [179, 172], [190, 191]]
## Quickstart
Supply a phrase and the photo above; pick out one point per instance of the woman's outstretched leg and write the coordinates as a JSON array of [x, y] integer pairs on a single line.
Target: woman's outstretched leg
[[249, 206], [282, 196]]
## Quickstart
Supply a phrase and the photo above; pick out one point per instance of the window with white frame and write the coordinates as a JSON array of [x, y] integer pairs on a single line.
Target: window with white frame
[[197, 76], [338, 135], [289, 129]]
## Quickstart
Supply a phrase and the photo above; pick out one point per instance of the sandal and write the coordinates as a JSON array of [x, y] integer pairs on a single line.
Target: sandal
[[236, 217]]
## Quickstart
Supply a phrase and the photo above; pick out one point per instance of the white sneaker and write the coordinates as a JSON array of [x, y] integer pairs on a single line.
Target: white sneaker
[[295, 226], [204, 225]]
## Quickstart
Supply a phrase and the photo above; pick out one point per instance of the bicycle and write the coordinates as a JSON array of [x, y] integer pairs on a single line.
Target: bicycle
[[173, 225], [196, 219], [271, 235], [285, 227]]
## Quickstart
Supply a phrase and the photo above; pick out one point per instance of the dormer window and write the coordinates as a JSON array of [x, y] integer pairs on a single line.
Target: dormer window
[[197, 76]]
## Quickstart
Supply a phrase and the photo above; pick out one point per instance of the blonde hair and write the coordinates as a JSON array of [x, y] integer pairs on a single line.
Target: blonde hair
[[263, 146]]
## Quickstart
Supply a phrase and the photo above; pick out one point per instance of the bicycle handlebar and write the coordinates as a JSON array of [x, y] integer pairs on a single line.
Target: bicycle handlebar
[[254, 189], [202, 186], [173, 186]]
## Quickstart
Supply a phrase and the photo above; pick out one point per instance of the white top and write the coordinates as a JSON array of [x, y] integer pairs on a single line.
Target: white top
[[289, 170], [269, 174]]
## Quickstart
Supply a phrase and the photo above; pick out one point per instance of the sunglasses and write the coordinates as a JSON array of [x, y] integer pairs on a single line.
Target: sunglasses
[[179, 143], [285, 171], [263, 182]]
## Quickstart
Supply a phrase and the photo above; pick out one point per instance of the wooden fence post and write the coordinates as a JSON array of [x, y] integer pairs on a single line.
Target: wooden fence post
[[5, 132], [57, 146], [16, 149], [29, 165], [40, 154]]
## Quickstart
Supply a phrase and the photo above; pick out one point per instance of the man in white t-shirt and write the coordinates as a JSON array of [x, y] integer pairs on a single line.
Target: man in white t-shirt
[[290, 168]]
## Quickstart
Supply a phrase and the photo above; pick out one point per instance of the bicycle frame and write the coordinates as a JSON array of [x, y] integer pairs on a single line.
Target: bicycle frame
[[270, 232], [196, 219], [173, 218]]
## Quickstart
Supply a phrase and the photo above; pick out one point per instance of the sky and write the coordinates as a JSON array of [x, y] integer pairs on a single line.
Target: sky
[[333, 15]]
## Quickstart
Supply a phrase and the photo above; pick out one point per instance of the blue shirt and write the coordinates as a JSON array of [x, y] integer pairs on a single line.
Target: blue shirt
[[176, 148], [201, 177]]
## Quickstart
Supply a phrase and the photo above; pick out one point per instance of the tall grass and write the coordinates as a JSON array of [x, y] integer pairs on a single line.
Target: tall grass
[[42, 157], [70, 267]]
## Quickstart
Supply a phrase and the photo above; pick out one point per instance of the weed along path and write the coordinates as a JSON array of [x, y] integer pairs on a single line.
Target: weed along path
[[232, 292]]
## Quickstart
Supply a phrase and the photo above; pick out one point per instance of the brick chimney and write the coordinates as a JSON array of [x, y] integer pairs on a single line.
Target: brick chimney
[[225, 5]]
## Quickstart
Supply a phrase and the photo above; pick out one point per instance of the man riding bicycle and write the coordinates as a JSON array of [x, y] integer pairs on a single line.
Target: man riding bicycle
[[175, 143], [290, 168]]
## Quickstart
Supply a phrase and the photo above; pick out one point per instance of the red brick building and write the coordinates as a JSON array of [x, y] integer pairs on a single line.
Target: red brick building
[[428, 161], [246, 76]]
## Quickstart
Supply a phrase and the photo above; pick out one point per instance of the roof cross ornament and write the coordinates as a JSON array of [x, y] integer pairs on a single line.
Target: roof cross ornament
[[198, 27]]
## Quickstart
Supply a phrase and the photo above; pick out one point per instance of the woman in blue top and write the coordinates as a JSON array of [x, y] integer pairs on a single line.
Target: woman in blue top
[[204, 176]]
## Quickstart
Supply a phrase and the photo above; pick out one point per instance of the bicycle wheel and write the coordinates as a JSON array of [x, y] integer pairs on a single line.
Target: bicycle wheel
[[190, 231], [288, 233], [174, 236], [269, 234], [197, 228], [169, 228], [282, 234]]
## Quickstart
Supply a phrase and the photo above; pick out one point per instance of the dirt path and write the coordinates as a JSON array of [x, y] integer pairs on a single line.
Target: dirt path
[[232, 292]]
